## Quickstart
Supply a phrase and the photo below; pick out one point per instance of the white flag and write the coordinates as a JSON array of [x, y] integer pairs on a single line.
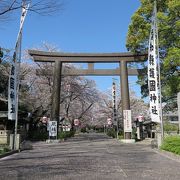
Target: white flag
[[153, 71], [114, 101], [14, 72], [12, 91]]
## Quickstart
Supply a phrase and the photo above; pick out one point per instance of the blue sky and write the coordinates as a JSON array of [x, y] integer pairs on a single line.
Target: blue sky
[[81, 26]]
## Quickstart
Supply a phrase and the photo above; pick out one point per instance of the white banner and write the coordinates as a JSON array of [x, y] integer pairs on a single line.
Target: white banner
[[52, 127], [12, 92], [153, 71], [114, 104], [14, 72], [127, 120]]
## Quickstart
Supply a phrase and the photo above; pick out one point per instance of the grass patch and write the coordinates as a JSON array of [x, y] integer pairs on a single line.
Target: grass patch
[[172, 144]]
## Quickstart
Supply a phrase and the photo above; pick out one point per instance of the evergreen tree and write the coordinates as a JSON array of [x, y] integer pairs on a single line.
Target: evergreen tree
[[169, 42]]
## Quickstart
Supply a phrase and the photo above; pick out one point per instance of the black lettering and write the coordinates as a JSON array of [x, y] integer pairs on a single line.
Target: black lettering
[[153, 97], [12, 108], [151, 72], [12, 83], [152, 84]]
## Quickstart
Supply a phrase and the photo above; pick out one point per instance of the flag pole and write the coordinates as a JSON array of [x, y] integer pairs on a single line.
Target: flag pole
[[159, 73], [14, 78], [17, 91], [154, 80]]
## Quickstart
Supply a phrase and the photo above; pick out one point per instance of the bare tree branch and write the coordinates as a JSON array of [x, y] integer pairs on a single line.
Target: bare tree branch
[[42, 7], [6, 7], [84, 111]]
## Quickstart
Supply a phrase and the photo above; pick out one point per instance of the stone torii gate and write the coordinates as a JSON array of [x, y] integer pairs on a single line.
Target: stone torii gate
[[90, 58]]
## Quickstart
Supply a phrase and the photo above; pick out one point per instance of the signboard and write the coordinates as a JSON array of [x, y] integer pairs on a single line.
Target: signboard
[[127, 120], [76, 122], [52, 126]]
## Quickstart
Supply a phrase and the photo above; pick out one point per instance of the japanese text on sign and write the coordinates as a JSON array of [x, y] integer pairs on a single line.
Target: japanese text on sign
[[127, 120]]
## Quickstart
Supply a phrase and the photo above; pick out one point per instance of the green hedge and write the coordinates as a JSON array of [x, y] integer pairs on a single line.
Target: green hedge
[[172, 144]]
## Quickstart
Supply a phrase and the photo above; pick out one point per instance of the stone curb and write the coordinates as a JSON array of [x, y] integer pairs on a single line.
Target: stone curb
[[8, 153], [168, 154]]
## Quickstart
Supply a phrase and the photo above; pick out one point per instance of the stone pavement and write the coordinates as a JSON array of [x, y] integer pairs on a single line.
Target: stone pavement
[[89, 157]]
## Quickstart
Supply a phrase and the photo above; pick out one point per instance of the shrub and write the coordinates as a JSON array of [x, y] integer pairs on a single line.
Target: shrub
[[168, 127], [66, 134], [134, 134], [83, 130], [38, 135], [120, 136], [111, 132], [172, 144], [100, 129]]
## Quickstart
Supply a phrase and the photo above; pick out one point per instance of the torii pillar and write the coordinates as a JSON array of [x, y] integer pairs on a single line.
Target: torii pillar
[[125, 92], [56, 93]]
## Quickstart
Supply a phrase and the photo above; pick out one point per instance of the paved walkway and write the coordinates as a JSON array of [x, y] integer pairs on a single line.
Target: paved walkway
[[89, 157]]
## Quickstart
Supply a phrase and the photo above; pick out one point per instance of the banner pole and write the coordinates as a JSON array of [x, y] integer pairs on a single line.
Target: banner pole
[[159, 74], [14, 78]]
